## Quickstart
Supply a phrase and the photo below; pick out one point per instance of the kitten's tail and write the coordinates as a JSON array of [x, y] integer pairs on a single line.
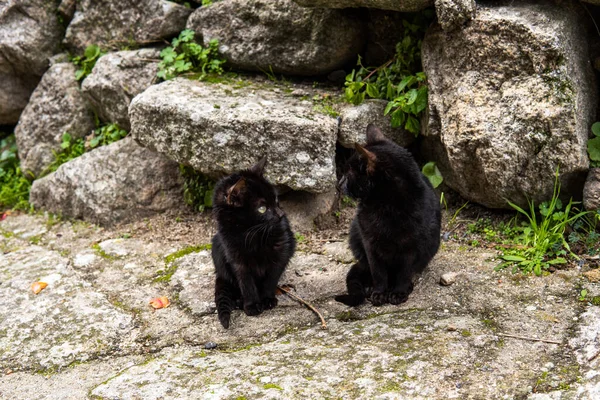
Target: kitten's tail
[[357, 278], [225, 300]]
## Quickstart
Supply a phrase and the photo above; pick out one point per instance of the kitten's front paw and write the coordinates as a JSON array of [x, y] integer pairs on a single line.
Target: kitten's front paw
[[379, 298], [253, 309], [398, 298], [269, 303]]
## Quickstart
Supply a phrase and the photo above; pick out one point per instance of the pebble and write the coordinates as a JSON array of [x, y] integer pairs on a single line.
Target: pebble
[[299, 93], [451, 328], [448, 278], [210, 345]]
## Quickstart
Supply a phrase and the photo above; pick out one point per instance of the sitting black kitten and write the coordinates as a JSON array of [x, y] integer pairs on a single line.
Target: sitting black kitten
[[253, 244], [396, 230]]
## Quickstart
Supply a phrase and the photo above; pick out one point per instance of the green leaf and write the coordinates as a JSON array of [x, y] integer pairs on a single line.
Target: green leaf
[[372, 91], [413, 125], [596, 129], [509, 257], [431, 171], [412, 96], [593, 147], [95, 142], [92, 51]]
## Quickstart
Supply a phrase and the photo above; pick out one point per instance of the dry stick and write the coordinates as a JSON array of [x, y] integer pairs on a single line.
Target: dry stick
[[594, 356], [529, 338], [302, 301]]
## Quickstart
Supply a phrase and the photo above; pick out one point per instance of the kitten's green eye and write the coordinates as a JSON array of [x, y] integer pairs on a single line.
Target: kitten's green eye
[[262, 209]]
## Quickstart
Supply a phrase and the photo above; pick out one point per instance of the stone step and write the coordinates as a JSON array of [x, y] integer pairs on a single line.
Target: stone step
[[220, 128]]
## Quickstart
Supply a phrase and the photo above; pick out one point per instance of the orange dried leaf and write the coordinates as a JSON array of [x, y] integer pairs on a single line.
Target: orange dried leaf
[[37, 287], [160, 302]]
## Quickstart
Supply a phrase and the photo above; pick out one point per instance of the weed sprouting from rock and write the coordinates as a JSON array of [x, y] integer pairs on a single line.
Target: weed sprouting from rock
[[185, 56], [400, 80]]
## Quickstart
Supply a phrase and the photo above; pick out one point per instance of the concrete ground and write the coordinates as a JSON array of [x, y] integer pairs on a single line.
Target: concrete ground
[[91, 333]]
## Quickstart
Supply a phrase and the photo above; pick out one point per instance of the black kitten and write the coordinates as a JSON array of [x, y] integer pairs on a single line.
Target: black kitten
[[396, 230], [253, 244]]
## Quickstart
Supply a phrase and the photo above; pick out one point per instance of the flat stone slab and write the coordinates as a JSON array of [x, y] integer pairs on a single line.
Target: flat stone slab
[[220, 128], [68, 321]]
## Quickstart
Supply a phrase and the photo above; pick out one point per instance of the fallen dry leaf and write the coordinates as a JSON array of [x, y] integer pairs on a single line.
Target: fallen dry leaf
[[160, 302], [37, 287], [593, 275]]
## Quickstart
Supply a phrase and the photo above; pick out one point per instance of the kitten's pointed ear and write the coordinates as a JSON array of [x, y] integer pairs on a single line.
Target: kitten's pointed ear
[[259, 167], [233, 194], [367, 155], [374, 134]]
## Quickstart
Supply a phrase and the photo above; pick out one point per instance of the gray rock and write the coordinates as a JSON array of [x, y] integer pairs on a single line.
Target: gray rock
[[116, 79], [56, 106], [452, 14], [113, 24], [121, 181], [448, 278], [510, 99], [395, 5], [14, 95], [339, 251], [591, 190], [29, 34], [303, 208], [261, 35], [219, 129], [355, 119]]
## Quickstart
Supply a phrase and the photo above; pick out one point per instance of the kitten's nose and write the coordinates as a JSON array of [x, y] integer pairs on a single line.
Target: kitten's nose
[[279, 212]]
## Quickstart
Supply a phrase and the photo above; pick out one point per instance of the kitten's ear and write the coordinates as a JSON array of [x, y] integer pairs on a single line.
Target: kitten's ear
[[367, 155], [259, 167], [233, 194], [374, 134]]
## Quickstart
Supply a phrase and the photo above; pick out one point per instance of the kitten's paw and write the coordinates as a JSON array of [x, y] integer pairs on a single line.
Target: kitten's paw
[[379, 298], [398, 297], [350, 300], [253, 309], [269, 303]]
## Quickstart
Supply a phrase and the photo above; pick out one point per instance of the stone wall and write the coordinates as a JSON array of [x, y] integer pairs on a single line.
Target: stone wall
[[512, 96]]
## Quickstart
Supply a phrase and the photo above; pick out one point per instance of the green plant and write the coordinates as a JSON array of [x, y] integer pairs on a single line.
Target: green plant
[[197, 188], [593, 146], [86, 62], [400, 80], [431, 171], [324, 105], [14, 185], [70, 148], [542, 241], [582, 295], [186, 56], [104, 135]]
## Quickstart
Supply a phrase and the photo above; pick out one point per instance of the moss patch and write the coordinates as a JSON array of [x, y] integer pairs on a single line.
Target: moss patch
[[164, 275]]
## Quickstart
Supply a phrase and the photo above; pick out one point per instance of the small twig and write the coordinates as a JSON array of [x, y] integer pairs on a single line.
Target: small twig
[[307, 304], [330, 240], [592, 17], [529, 338], [378, 68], [592, 358], [147, 59]]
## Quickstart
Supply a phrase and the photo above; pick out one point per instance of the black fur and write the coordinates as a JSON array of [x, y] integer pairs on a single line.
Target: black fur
[[251, 249], [396, 230]]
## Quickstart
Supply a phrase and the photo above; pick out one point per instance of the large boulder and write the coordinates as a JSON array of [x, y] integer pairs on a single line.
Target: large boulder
[[511, 98], [221, 128], [109, 23], [279, 35], [114, 183], [395, 5], [29, 34], [56, 106], [116, 79]]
